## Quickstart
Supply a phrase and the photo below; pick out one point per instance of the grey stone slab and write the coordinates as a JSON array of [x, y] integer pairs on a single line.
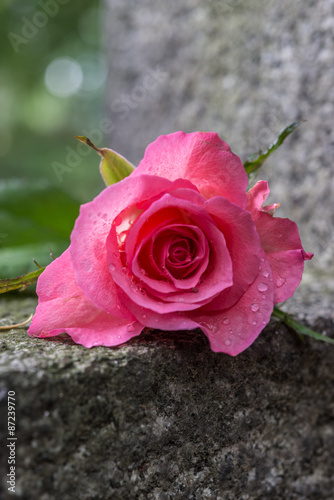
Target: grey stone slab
[[163, 417]]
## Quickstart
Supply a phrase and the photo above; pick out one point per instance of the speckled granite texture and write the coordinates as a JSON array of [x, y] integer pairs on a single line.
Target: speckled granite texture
[[165, 418]]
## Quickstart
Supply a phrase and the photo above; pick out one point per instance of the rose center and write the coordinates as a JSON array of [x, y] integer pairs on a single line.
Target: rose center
[[180, 252]]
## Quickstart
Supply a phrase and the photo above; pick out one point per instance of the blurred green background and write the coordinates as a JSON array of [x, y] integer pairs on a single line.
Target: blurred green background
[[53, 77]]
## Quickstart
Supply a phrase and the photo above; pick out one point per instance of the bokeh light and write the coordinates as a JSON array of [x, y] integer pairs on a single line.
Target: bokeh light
[[63, 77]]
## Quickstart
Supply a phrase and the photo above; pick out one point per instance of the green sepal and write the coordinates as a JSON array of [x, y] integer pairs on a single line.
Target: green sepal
[[113, 166], [7, 285], [298, 327], [255, 161]]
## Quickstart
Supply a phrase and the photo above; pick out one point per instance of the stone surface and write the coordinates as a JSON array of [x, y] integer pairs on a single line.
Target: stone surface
[[244, 70], [165, 418]]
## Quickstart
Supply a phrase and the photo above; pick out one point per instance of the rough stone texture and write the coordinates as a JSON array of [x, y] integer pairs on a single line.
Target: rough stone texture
[[245, 70], [165, 418]]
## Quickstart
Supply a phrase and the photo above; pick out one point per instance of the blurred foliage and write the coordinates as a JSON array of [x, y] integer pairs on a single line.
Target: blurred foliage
[[37, 125]]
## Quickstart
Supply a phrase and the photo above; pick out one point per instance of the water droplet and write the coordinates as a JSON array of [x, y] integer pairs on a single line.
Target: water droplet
[[230, 330], [135, 288], [226, 321], [206, 325], [280, 282], [144, 316], [130, 328], [254, 322], [255, 307], [265, 274], [118, 220], [262, 287], [122, 237], [85, 265], [112, 267], [227, 342], [262, 259]]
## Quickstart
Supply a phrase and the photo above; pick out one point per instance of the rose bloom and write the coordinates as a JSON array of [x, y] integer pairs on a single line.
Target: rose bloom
[[177, 245]]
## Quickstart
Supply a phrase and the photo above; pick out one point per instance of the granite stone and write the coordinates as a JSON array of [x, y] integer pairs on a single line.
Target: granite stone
[[163, 417]]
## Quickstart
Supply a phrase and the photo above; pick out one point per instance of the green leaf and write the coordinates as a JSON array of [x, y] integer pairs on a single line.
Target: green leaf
[[298, 327], [113, 166], [255, 161], [7, 285], [34, 219]]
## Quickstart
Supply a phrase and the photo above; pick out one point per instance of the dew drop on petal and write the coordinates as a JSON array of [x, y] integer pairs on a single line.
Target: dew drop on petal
[[130, 328], [227, 342], [112, 267], [85, 265], [226, 321], [255, 307], [280, 282], [122, 236], [265, 274], [204, 324], [118, 220], [262, 287], [254, 322], [144, 316]]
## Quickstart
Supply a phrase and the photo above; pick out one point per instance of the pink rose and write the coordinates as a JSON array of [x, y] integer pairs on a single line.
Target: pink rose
[[177, 245]]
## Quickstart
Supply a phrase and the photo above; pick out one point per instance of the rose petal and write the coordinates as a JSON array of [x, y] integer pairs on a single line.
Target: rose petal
[[201, 157], [170, 321], [63, 307], [281, 241], [198, 263], [244, 247], [88, 239], [217, 279], [233, 330]]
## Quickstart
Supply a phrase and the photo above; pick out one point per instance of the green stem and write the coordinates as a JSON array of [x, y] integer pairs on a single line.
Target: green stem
[[298, 327], [7, 285]]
